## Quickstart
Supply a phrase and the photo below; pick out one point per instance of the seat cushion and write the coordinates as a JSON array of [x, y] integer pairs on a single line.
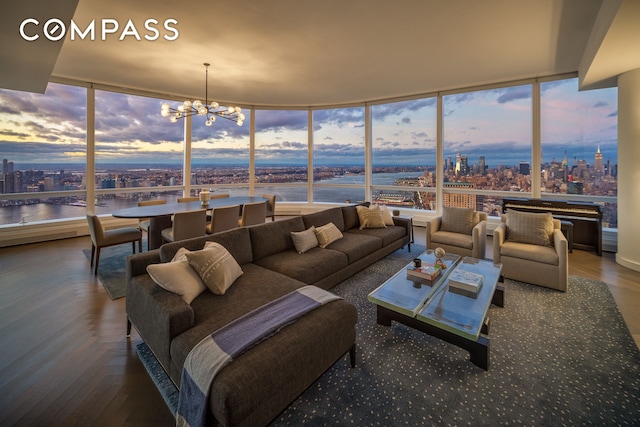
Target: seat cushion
[[453, 239], [388, 235], [536, 253], [121, 235], [309, 267], [356, 246]]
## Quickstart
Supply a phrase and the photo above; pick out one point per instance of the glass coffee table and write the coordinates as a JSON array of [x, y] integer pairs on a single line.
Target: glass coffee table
[[436, 310]]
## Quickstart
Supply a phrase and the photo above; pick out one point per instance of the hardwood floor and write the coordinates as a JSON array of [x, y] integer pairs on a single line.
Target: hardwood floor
[[65, 359]]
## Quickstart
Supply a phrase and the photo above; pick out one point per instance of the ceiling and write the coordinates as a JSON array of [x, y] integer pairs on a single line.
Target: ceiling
[[309, 52]]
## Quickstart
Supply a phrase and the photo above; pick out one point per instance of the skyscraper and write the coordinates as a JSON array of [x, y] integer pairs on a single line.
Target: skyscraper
[[599, 164]]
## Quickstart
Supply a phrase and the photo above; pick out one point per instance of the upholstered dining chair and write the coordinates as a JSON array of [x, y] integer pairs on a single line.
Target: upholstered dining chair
[[188, 199], [253, 213], [461, 231], [223, 219], [271, 206], [186, 225], [532, 249], [101, 238]]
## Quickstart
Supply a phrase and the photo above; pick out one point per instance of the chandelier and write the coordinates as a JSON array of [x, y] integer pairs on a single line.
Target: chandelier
[[197, 108]]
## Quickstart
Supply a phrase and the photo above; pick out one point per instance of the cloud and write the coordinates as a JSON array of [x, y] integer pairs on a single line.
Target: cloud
[[513, 94]]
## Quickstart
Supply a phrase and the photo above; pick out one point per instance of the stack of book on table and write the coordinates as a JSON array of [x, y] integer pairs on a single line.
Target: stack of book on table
[[426, 274], [465, 282]]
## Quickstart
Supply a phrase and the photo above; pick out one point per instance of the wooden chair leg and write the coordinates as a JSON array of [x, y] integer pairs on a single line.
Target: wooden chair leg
[[93, 253], [97, 260], [140, 245], [128, 327]]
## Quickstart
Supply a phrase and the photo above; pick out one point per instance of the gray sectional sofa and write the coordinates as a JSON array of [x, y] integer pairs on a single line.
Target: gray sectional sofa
[[262, 382]]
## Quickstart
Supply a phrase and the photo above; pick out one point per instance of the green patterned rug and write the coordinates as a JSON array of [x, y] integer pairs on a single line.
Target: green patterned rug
[[556, 359]]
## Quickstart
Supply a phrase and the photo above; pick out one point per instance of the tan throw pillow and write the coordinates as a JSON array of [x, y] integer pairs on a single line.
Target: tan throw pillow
[[328, 234], [177, 277], [458, 220], [304, 240], [386, 215], [529, 227], [370, 217], [217, 268]]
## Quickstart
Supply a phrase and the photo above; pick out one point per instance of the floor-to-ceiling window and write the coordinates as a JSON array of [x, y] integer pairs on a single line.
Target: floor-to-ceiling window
[[338, 155], [43, 152], [282, 154], [580, 145], [138, 153], [487, 146], [488, 151], [403, 154], [220, 156]]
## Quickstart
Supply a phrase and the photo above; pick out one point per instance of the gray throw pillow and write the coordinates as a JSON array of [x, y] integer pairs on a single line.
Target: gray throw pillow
[[529, 227], [458, 220], [304, 240]]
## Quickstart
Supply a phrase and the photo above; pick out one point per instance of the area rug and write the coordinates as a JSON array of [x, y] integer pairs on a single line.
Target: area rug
[[160, 378], [111, 271], [556, 359]]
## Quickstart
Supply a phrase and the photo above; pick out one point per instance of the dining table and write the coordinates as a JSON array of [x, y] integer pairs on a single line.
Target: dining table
[[160, 215]]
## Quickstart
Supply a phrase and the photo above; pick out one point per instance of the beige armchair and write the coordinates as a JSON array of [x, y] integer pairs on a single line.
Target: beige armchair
[[532, 249], [461, 231]]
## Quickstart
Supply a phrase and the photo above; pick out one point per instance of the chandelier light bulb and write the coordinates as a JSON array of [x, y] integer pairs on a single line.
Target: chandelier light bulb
[[202, 111], [197, 104], [187, 105], [241, 117], [214, 105], [181, 108], [164, 113], [173, 119], [239, 122], [208, 123]]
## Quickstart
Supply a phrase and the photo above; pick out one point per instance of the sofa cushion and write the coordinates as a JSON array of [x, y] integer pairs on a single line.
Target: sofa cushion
[[177, 277], [356, 246], [309, 267], [537, 253], [370, 217], [453, 239], [273, 237], [304, 240], [387, 235], [257, 286], [327, 234], [458, 220], [529, 227], [321, 218], [216, 267]]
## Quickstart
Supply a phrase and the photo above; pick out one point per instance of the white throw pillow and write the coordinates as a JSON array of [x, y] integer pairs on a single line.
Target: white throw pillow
[[177, 277], [304, 240], [217, 268], [386, 215], [328, 234]]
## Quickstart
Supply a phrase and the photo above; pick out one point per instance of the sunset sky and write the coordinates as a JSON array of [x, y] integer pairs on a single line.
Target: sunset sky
[[51, 128]]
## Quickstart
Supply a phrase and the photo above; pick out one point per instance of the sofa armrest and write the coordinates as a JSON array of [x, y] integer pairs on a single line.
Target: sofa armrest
[[499, 235], [479, 233], [433, 225], [403, 222], [136, 264]]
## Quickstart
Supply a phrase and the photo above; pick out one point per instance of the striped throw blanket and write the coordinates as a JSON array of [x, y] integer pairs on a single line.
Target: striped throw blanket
[[217, 350]]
